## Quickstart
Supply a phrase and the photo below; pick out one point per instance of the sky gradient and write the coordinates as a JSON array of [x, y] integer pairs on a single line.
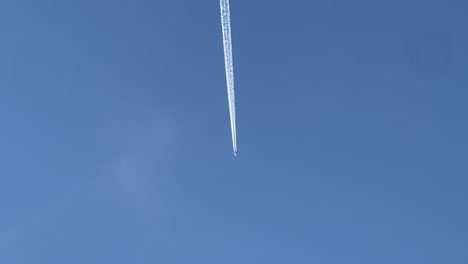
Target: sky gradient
[[115, 144]]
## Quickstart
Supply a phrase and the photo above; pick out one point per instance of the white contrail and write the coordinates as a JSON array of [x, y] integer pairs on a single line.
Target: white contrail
[[227, 44]]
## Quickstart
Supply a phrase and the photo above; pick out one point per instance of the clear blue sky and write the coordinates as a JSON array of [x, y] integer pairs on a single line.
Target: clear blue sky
[[115, 144]]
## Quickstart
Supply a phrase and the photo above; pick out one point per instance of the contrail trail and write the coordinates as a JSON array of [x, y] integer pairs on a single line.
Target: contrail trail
[[227, 44]]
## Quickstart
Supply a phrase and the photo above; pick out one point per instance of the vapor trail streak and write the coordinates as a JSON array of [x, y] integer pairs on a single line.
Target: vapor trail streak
[[227, 44]]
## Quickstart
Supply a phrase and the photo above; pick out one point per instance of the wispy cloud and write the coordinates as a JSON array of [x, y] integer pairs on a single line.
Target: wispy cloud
[[127, 178]]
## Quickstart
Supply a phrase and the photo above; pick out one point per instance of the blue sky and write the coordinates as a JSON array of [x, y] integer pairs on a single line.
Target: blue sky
[[115, 143]]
